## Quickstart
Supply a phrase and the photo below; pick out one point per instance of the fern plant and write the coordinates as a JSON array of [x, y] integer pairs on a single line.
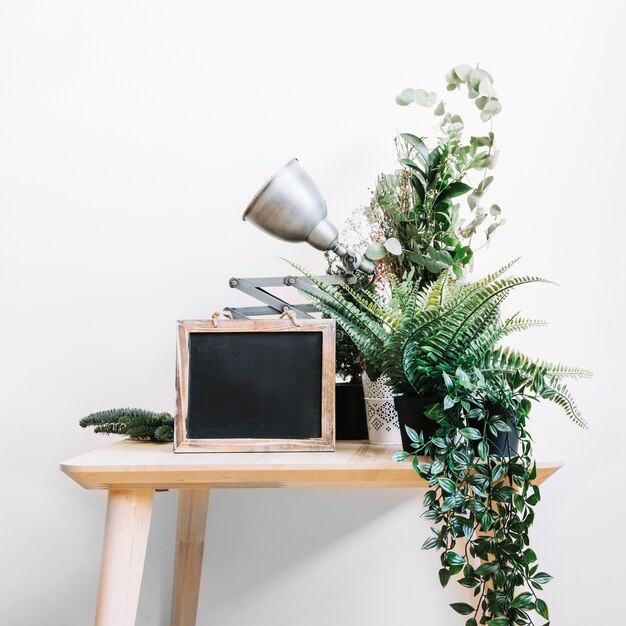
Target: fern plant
[[443, 341], [421, 336]]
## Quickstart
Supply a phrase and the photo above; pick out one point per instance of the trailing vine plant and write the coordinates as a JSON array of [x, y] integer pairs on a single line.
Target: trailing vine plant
[[480, 501], [443, 341]]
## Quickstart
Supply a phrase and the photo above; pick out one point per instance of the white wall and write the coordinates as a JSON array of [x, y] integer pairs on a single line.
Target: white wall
[[132, 135]]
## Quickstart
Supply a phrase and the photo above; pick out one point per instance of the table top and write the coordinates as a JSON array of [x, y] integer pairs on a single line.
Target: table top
[[130, 464]]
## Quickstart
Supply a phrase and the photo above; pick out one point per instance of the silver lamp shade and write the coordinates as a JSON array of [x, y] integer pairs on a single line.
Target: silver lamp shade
[[290, 207]]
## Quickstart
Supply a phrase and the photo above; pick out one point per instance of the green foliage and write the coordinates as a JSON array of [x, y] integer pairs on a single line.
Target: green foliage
[[415, 214], [134, 423], [348, 359], [443, 341], [423, 338]]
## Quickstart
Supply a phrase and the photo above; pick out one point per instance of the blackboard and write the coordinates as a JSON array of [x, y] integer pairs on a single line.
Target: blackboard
[[255, 385]]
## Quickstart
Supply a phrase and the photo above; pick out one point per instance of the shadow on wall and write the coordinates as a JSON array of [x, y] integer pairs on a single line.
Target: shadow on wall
[[256, 538]]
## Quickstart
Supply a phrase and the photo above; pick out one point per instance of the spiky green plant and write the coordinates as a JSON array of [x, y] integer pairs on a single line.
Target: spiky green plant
[[420, 335], [134, 423], [443, 341]]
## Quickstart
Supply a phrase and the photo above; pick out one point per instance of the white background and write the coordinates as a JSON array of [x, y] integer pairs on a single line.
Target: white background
[[133, 134]]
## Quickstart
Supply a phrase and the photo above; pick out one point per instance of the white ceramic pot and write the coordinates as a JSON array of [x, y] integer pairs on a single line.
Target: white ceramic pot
[[382, 419]]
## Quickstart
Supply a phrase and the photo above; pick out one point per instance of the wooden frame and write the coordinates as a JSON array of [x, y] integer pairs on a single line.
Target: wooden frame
[[183, 443]]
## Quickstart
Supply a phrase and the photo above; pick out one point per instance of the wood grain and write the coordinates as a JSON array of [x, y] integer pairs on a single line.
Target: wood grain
[[192, 514], [123, 555], [135, 465], [182, 443]]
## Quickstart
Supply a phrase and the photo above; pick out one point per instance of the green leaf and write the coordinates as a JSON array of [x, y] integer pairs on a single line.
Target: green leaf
[[444, 576], [542, 608], [448, 504], [447, 485], [405, 98], [437, 467], [375, 251], [473, 434], [463, 608], [503, 427], [413, 436], [430, 543], [452, 558], [523, 601], [400, 456], [463, 72], [471, 622], [483, 450], [419, 188], [542, 578], [529, 556], [440, 109], [498, 621], [439, 442], [485, 569], [434, 267], [448, 403], [393, 246], [482, 186], [453, 190], [418, 144], [495, 210]]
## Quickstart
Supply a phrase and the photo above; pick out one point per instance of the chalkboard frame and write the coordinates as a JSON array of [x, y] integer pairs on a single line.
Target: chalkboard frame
[[326, 442]]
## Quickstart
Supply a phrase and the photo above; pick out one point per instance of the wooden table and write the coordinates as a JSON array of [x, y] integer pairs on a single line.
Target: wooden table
[[131, 472]]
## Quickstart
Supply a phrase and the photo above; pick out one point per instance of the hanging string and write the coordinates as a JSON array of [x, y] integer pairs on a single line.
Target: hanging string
[[292, 316]]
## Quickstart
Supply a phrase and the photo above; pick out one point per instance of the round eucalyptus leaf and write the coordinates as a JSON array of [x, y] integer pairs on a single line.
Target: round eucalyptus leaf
[[431, 99], [477, 75], [485, 88], [420, 96], [440, 109], [495, 210], [451, 86], [375, 251], [405, 98], [393, 246], [493, 107], [463, 72], [490, 161], [481, 101]]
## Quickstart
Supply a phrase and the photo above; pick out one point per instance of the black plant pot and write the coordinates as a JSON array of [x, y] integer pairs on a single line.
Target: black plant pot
[[350, 420], [411, 413], [504, 443]]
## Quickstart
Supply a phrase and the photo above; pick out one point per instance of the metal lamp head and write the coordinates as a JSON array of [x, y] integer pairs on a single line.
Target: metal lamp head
[[290, 207]]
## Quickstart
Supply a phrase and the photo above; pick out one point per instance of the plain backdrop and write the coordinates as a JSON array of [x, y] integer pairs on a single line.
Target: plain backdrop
[[132, 136]]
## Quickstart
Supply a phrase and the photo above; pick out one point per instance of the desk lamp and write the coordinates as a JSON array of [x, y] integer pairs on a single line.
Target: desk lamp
[[290, 207]]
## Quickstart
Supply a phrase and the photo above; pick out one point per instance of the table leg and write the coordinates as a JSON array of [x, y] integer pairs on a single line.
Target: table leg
[[192, 513], [125, 541]]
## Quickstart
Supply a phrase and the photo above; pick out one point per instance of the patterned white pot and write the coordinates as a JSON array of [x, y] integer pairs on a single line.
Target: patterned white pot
[[382, 419]]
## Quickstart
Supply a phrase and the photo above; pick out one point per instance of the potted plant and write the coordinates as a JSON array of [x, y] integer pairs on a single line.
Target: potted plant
[[439, 345], [414, 221]]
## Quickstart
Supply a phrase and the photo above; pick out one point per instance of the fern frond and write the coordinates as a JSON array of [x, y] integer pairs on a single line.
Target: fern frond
[[556, 370], [559, 394]]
